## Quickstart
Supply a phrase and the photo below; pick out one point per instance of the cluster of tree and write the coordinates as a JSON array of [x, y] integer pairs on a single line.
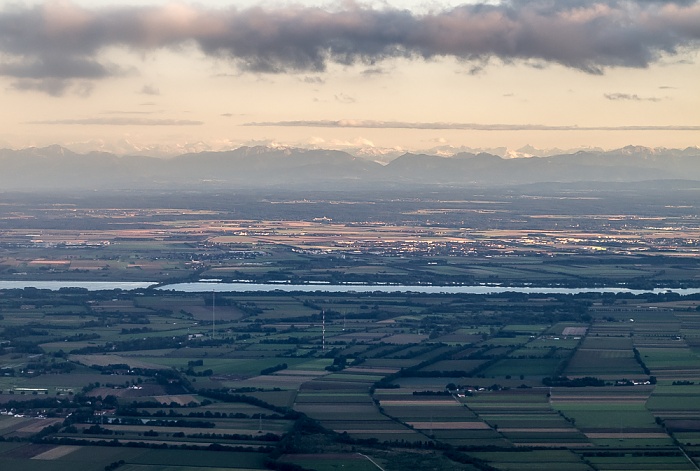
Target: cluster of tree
[[339, 363], [638, 357], [136, 330], [95, 429], [225, 395], [45, 403], [18, 331], [192, 372], [50, 366], [180, 423], [433, 393], [282, 466], [267, 437], [114, 465], [288, 340], [464, 458], [563, 381], [148, 343], [272, 369]]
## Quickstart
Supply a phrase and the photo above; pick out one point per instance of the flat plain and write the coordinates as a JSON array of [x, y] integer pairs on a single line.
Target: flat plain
[[146, 379]]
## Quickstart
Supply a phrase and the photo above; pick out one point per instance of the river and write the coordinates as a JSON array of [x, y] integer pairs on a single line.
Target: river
[[88, 285], [241, 287], [427, 289]]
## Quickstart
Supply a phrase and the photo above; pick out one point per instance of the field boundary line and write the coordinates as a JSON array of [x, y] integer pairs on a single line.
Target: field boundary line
[[374, 462], [688, 458]]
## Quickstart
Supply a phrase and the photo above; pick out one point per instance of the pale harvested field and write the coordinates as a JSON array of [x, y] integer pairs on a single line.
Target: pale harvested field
[[104, 360], [37, 425], [314, 373], [321, 408], [56, 453], [452, 426], [555, 444], [605, 400], [50, 262], [12, 424], [627, 435], [538, 430], [359, 369], [574, 331], [182, 399], [602, 397], [221, 313], [421, 403], [377, 432], [405, 339]]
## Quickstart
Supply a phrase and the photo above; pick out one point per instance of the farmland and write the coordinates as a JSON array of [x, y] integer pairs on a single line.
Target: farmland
[[596, 237], [293, 373], [144, 379]]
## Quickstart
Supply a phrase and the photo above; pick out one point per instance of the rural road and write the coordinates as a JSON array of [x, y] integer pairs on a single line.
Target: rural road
[[372, 461]]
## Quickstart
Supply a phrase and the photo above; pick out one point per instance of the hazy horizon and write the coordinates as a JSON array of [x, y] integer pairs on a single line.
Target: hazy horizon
[[375, 154], [162, 78]]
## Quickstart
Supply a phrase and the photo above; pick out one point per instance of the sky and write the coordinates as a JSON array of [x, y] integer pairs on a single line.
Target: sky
[[162, 78]]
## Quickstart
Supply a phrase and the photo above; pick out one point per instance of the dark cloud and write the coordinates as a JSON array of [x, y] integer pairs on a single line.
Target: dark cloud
[[629, 97], [372, 71], [83, 89], [60, 40], [119, 112], [667, 2], [371, 124], [149, 90], [315, 80], [344, 98], [53, 87], [123, 122], [55, 68]]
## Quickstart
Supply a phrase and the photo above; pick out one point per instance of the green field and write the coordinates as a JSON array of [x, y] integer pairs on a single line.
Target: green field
[[143, 373]]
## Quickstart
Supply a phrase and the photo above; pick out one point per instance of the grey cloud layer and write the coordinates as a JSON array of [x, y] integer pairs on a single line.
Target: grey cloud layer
[[63, 41], [371, 124], [123, 122], [629, 97]]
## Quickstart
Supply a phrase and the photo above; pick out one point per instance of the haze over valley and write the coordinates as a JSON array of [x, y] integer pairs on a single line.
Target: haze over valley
[[55, 167]]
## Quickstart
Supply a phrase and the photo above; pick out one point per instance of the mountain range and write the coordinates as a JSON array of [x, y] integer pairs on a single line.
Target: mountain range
[[56, 167]]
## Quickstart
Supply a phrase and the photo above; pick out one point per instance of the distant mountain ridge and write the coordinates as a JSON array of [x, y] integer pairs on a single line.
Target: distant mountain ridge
[[55, 167]]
